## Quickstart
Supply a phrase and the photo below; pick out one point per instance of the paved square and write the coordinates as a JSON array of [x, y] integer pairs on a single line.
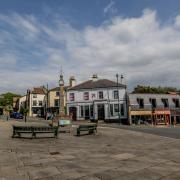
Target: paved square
[[112, 154]]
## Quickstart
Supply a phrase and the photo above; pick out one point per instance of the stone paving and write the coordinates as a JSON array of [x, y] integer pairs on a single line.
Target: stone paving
[[112, 154]]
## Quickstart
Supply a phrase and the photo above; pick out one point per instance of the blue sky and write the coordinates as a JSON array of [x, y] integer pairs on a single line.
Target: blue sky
[[138, 38]]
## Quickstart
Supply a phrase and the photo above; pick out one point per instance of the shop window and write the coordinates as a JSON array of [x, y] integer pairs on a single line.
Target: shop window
[[86, 96], [165, 103], [116, 109], [91, 111], [111, 109], [141, 103], [122, 109], [82, 111]]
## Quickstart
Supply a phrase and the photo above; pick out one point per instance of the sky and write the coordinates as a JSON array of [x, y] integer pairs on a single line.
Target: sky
[[139, 39]]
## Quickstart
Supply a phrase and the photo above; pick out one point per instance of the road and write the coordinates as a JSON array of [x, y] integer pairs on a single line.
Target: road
[[172, 132]]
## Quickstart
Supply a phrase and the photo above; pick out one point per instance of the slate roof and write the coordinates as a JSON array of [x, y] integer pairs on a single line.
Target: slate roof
[[101, 83]]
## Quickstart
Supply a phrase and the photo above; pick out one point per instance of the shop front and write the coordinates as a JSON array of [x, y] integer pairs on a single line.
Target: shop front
[[175, 116], [141, 117], [161, 117]]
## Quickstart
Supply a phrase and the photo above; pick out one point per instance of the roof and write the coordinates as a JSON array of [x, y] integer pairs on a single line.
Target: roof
[[38, 90], [101, 83], [57, 88]]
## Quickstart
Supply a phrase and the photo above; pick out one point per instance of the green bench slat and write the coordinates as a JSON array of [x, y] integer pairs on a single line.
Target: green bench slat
[[33, 129]]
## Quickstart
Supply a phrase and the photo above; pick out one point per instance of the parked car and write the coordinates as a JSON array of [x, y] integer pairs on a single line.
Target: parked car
[[16, 115]]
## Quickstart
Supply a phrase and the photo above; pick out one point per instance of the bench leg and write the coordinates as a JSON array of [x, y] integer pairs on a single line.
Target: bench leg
[[19, 134], [33, 135], [78, 132]]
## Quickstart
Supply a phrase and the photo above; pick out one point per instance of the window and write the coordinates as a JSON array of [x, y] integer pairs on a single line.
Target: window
[[153, 102], [71, 96], [56, 102], [40, 103], [176, 102], [122, 109], [57, 93], [34, 95], [111, 109], [165, 103], [86, 109], [91, 111], [116, 94], [82, 111], [141, 103], [101, 95], [86, 95], [116, 109], [34, 103]]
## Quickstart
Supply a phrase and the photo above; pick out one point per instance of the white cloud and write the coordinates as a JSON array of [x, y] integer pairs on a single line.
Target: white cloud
[[145, 50], [110, 8]]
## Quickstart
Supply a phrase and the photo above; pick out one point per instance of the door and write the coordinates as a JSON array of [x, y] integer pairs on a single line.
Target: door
[[101, 112], [87, 116], [73, 112]]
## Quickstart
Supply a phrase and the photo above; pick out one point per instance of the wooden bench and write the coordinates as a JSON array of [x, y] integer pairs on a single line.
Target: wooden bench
[[33, 130], [91, 129]]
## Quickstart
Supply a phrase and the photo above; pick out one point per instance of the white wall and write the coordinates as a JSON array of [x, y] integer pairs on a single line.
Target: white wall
[[108, 98]]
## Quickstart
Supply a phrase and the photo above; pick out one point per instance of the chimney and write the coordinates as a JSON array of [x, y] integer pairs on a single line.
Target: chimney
[[94, 77], [72, 81]]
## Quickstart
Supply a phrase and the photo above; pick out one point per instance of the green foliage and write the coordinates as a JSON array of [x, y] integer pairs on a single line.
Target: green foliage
[[154, 90], [8, 108], [24, 111], [7, 98]]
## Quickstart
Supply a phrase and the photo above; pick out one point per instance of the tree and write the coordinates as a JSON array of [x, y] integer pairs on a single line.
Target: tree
[[7, 98], [24, 111], [154, 90], [8, 109]]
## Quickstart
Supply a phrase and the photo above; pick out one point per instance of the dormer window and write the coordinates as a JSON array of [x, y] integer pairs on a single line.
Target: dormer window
[[141, 103], [165, 102], [86, 96]]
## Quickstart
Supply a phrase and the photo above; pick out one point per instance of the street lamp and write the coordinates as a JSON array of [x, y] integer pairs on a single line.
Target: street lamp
[[117, 77]]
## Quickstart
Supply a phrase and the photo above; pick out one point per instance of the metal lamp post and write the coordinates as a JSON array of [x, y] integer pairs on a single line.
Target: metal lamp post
[[117, 77]]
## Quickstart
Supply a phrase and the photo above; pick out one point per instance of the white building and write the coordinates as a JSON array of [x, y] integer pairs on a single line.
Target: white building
[[36, 102], [22, 102], [100, 99]]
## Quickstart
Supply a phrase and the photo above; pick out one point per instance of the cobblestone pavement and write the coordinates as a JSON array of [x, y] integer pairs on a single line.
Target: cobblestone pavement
[[112, 154]]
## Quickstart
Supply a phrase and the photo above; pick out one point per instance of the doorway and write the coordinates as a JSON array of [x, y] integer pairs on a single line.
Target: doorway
[[73, 111], [101, 112]]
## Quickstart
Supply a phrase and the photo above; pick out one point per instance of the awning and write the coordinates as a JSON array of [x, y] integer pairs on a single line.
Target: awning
[[140, 113]]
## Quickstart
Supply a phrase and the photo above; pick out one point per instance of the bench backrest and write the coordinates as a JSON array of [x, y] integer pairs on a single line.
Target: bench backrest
[[32, 128], [88, 126], [64, 122]]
